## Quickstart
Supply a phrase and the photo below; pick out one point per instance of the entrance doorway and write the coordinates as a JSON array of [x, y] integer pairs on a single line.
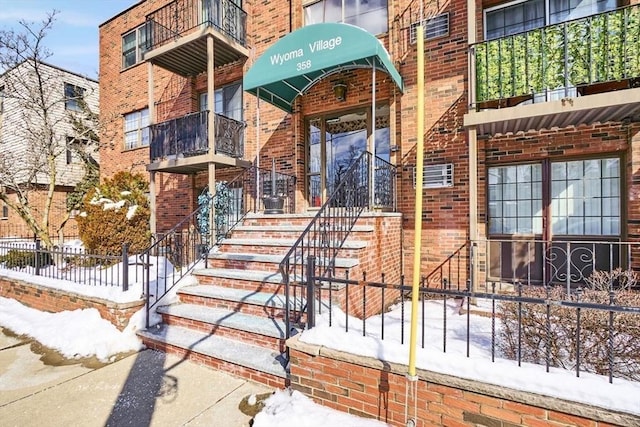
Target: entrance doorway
[[335, 141]]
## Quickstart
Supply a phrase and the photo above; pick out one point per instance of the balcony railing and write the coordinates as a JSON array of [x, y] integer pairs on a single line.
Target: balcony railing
[[588, 55], [182, 16], [188, 136]]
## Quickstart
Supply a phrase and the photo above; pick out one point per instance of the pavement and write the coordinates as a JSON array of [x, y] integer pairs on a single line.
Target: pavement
[[148, 388]]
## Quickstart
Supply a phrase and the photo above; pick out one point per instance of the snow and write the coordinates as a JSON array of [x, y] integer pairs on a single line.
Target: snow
[[590, 389], [131, 211], [287, 408], [75, 334]]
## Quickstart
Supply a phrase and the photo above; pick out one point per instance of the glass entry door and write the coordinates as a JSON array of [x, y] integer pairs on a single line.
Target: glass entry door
[[335, 142]]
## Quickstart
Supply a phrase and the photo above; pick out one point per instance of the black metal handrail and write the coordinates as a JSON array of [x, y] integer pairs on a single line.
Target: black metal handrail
[[452, 272], [326, 233], [188, 136], [385, 189], [191, 239], [182, 16], [568, 57]]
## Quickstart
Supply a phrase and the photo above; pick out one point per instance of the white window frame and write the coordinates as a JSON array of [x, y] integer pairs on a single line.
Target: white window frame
[[139, 48], [342, 19], [141, 129], [221, 92]]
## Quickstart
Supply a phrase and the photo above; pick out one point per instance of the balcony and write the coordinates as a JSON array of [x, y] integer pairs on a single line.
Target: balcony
[[177, 35], [577, 72], [182, 145]]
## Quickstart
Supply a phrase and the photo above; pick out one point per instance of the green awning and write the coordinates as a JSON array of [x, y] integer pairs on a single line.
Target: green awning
[[302, 58]]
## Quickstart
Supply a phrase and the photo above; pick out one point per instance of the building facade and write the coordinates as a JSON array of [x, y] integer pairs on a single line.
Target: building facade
[[530, 120], [39, 103]]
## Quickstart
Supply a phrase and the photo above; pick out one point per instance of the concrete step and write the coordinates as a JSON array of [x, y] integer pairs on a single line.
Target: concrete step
[[265, 304], [253, 329], [266, 262], [273, 328], [258, 360], [280, 246]]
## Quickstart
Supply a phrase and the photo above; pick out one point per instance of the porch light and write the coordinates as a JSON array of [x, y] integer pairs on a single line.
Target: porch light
[[340, 91]]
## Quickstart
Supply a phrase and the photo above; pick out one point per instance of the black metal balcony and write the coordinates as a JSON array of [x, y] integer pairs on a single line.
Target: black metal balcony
[[596, 54], [183, 16], [188, 136]]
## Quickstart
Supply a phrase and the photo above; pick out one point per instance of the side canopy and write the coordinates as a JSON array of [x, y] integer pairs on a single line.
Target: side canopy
[[302, 58]]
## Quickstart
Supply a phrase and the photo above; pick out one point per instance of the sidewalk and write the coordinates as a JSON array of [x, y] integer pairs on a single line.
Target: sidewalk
[[145, 389]]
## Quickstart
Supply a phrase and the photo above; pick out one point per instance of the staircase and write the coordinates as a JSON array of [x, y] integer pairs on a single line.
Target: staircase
[[234, 318]]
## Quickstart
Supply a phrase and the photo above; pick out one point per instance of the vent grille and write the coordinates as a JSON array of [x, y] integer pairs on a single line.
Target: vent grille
[[435, 27], [436, 176]]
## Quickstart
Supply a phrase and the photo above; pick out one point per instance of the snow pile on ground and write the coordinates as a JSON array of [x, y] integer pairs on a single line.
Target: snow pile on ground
[[293, 409], [75, 334]]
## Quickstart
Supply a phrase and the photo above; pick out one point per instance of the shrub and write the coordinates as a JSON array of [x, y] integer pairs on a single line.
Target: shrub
[[20, 259], [116, 212], [557, 332]]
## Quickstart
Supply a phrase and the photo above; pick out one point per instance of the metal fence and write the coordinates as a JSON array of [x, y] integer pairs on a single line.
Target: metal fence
[[181, 17], [585, 330], [188, 136], [70, 263]]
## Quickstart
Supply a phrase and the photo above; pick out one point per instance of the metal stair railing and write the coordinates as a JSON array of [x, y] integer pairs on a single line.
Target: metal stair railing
[[325, 234], [190, 240]]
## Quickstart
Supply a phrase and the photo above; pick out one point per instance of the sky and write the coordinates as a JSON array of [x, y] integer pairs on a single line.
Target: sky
[[74, 37], [82, 333]]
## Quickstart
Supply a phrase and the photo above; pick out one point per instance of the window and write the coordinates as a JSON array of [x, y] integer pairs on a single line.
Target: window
[[134, 45], [519, 16], [583, 200], [371, 15], [585, 197], [1, 99], [136, 129], [5, 212], [80, 144], [515, 199], [227, 101], [72, 96]]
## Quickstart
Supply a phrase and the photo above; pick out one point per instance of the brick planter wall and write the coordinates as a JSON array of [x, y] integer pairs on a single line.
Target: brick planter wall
[[373, 388], [55, 300]]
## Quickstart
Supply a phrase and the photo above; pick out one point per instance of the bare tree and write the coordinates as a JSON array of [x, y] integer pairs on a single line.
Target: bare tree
[[36, 163]]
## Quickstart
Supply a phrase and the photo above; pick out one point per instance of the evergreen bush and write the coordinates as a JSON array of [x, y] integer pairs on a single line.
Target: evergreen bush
[[116, 212]]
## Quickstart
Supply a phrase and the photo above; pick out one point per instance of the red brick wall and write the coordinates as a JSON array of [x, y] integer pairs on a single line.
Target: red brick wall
[[55, 300], [14, 226], [376, 389]]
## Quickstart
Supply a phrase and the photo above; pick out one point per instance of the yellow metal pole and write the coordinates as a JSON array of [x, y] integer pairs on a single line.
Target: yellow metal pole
[[417, 239]]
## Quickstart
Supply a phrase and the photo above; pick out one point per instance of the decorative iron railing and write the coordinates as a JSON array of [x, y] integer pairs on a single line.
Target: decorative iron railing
[[453, 272], [583, 330], [550, 263], [188, 136], [191, 239], [182, 16], [574, 56], [325, 235], [385, 184]]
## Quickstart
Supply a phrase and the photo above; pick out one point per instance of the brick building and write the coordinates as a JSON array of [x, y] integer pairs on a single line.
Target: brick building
[[530, 127], [496, 119]]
